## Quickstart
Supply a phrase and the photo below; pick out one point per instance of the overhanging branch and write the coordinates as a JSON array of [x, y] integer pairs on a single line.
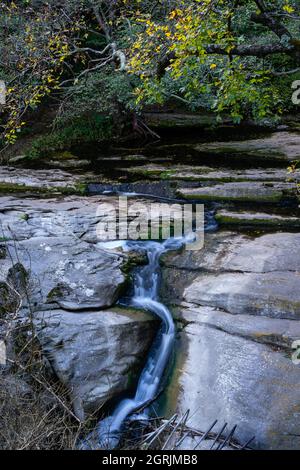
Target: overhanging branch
[[260, 50], [266, 19], [271, 23]]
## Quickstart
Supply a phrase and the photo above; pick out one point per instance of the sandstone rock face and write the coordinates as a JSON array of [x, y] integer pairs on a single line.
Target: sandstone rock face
[[230, 251], [97, 355], [278, 146], [171, 171], [242, 192], [240, 371], [255, 219], [239, 303], [38, 179], [73, 216], [274, 294]]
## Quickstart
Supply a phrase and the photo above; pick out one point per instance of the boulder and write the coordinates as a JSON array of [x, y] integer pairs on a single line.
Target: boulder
[[97, 355], [71, 284], [70, 273]]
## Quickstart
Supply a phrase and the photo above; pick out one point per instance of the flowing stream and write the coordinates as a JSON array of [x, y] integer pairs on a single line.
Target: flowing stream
[[108, 431], [146, 287]]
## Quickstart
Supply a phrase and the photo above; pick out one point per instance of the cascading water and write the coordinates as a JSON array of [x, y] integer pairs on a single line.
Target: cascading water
[[108, 431]]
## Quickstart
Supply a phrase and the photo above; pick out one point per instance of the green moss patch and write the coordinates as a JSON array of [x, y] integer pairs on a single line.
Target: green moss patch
[[256, 220], [84, 129], [8, 188]]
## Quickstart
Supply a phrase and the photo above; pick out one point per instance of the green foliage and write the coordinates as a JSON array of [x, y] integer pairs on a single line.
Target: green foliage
[[83, 129], [242, 85], [113, 58], [107, 92], [247, 96]]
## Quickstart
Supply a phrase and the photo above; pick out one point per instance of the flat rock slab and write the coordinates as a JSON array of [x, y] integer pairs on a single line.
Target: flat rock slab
[[74, 216], [166, 120], [241, 192], [20, 179], [239, 303], [232, 252], [255, 219], [67, 163], [240, 275], [97, 355], [282, 146], [274, 294], [239, 370], [205, 173]]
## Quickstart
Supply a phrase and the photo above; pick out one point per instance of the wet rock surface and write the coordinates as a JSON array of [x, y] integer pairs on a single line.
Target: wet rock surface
[[242, 192], [255, 219], [239, 307], [278, 146], [12, 178], [97, 355], [206, 173]]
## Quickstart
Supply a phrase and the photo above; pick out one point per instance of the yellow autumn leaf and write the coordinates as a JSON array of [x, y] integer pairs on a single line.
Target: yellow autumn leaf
[[288, 9]]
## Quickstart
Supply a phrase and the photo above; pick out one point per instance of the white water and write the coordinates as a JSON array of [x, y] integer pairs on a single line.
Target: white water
[[108, 431]]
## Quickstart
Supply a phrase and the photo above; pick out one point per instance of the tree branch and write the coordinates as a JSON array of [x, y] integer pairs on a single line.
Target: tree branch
[[101, 21], [288, 72], [266, 19], [275, 26], [253, 50], [259, 50]]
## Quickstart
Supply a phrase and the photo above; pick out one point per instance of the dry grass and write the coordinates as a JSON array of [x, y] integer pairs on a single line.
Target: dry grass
[[175, 433], [31, 421], [35, 410]]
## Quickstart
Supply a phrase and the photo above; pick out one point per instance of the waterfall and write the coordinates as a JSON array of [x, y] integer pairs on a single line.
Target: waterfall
[[145, 296]]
